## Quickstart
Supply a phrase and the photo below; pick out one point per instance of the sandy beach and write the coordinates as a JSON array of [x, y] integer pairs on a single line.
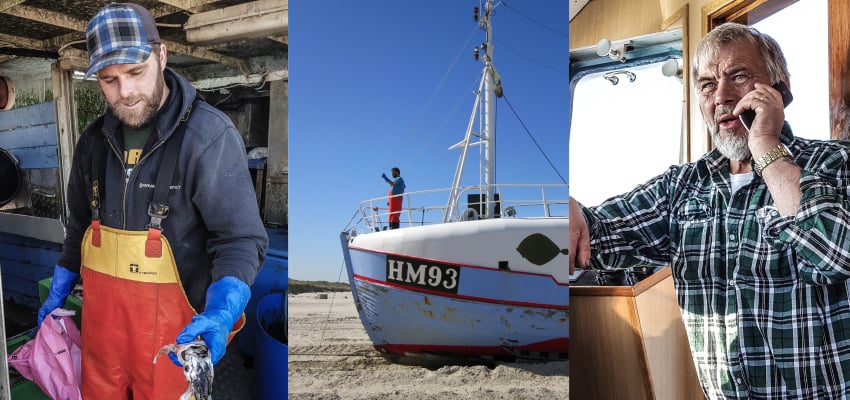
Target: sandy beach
[[331, 357]]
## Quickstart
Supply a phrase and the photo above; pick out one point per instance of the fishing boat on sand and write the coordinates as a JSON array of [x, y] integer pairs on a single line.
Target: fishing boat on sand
[[484, 275]]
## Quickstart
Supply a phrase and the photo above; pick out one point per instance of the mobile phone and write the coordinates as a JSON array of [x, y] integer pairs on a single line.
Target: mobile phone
[[748, 116]]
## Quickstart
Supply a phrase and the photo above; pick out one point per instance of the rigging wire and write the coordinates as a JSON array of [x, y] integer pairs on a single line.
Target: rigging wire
[[463, 49], [349, 224], [544, 65], [330, 309], [534, 140], [536, 21], [448, 117], [409, 135]]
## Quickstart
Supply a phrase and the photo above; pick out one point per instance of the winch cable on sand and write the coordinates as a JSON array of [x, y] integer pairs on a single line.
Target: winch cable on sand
[[331, 307]]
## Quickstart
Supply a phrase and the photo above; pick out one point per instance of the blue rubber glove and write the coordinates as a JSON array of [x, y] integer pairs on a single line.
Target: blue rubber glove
[[60, 287], [226, 300], [384, 175]]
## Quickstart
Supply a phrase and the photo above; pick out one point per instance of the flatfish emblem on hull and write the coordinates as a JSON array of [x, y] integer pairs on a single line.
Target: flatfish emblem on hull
[[538, 249]]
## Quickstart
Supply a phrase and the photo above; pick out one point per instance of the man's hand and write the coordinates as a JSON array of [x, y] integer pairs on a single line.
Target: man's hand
[[579, 238], [226, 300], [770, 117], [384, 175], [60, 287], [782, 176]]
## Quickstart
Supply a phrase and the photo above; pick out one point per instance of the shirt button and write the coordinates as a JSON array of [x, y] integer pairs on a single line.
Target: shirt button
[[731, 284], [732, 237], [738, 380]]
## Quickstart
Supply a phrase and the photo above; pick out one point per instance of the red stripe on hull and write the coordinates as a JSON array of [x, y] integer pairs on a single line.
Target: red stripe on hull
[[460, 296]]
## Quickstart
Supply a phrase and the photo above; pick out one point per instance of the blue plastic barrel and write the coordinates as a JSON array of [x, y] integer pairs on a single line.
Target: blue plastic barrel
[[270, 362], [271, 279]]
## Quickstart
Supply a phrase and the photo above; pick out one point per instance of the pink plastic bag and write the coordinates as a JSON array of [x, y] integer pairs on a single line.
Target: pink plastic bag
[[52, 359]]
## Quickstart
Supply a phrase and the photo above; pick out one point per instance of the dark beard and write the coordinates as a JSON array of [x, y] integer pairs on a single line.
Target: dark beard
[[147, 113]]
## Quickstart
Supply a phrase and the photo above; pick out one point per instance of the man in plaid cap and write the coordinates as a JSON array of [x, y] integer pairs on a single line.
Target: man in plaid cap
[[160, 163]]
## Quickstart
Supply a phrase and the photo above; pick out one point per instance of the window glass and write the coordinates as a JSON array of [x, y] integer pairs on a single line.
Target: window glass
[[622, 135]]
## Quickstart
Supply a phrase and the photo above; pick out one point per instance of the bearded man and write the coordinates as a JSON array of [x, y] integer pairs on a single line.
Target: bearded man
[[163, 224], [756, 232]]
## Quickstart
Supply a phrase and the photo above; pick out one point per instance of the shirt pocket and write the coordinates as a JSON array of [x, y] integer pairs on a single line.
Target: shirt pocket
[[692, 237]]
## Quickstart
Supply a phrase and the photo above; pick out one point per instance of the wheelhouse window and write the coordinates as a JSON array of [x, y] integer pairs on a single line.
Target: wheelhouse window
[[626, 129]]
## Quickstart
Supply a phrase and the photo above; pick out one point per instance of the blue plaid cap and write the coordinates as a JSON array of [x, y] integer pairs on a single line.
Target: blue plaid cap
[[120, 33]]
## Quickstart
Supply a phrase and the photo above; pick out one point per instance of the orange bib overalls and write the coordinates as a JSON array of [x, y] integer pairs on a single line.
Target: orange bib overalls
[[134, 304]]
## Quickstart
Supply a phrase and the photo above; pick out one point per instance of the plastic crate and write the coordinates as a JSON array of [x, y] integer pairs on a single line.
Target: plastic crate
[[72, 303], [22, 389]]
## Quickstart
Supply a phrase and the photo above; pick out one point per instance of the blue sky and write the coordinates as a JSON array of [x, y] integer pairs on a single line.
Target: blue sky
[[377, 84]]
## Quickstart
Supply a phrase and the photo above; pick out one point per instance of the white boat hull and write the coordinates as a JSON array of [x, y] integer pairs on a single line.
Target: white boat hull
[[486, 288]]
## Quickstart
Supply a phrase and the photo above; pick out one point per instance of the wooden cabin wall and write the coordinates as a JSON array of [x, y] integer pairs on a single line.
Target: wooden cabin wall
[[620, 19]]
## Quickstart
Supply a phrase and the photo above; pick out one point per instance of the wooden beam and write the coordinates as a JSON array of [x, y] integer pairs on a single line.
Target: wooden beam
[[66, 124], [48, 17], [60, 20], [280, 39], [239, 42], [206, 55], [214, 46], [22, 41], [56, 42], [175, 47], [189, 5], [7, 4], [73, 59], [164, 9]]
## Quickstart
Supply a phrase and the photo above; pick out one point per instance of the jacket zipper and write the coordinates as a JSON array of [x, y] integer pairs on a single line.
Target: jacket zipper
[[132, 173]]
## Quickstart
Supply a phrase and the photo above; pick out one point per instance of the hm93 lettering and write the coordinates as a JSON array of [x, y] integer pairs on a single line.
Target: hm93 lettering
[[422, 274]]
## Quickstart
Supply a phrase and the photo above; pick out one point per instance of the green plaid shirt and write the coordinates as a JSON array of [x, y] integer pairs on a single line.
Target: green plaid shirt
[[765, 299]]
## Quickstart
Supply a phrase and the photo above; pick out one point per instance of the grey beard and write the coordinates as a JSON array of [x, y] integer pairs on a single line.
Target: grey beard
[[733, 147]]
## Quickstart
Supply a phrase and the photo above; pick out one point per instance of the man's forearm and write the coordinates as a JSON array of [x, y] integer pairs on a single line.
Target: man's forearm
[[783, 181]]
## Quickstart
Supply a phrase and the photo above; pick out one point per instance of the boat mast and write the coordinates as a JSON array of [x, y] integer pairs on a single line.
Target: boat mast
[[492, 89], [489, 88]]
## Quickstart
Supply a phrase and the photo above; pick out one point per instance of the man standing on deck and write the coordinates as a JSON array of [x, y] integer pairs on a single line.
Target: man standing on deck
[[395, 194]]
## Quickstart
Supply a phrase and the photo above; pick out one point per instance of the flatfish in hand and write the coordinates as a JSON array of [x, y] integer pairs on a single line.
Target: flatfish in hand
[[197, 368]]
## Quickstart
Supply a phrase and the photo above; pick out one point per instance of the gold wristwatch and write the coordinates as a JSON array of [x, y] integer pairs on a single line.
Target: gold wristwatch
[[780, 151]]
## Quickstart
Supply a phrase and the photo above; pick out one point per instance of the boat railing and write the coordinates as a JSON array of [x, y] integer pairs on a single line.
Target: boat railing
[[430, 207]]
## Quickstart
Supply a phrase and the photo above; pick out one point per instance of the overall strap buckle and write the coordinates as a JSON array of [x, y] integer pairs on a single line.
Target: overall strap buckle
[[157, 212]]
